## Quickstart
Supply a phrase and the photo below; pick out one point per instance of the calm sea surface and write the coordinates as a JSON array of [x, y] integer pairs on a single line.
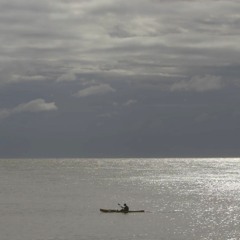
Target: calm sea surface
[[59, 199]]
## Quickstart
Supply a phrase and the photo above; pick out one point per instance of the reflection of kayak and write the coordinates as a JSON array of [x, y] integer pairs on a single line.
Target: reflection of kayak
[[118, 211]]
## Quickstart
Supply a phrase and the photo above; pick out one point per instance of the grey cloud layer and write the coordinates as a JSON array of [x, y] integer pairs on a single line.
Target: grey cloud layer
[[144, 75], [97, 35]]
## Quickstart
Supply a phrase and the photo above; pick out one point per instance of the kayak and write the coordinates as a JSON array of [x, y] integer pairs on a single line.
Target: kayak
[[119, 211]]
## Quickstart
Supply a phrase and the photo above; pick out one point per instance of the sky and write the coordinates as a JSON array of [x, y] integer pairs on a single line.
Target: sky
[[119, 78]]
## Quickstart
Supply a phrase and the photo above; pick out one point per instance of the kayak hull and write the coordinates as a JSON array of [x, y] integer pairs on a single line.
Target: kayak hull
[[119, 211]]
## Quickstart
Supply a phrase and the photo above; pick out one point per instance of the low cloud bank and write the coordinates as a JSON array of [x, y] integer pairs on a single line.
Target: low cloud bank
[[199, 84], [37, 105], [95, 90]]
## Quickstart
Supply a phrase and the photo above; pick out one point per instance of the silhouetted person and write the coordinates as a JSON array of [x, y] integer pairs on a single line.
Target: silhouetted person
[[125, 208]]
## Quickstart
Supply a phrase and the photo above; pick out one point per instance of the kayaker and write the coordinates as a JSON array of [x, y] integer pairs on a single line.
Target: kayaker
[[125, 208]]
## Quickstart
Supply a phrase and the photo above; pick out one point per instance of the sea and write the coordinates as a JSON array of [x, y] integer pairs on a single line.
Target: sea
[[59, 199]]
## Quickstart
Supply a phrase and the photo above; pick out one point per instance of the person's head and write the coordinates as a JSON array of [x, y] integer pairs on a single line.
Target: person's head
[[125, 204]]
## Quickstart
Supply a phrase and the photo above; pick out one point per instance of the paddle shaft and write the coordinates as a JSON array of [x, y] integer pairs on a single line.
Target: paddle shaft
[[120, 205]]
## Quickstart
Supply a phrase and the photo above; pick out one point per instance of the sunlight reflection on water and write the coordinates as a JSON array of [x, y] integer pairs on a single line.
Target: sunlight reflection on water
[[206, 189]]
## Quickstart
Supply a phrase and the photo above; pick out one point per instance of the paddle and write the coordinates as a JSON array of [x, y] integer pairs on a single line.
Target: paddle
[[120, 205]]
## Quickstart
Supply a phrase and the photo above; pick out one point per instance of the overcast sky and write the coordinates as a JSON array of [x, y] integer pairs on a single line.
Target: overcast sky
[[119, 78]]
